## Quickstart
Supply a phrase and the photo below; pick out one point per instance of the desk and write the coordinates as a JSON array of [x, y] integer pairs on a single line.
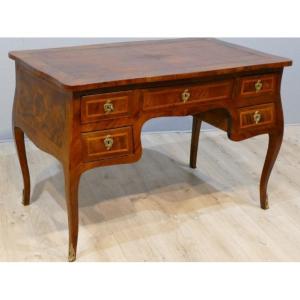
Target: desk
[[86, 105]]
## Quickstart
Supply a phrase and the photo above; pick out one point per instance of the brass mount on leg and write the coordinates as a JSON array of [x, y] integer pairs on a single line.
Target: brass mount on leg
[[72, 254]]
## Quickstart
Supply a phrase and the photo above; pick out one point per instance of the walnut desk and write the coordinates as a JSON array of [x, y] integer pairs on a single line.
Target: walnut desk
[[87, 105]]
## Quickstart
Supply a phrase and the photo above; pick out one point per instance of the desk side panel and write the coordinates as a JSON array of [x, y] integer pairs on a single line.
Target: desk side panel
[[42, 111]]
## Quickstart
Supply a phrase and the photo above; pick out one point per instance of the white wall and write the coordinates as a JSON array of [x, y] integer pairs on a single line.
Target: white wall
[[287, 47]]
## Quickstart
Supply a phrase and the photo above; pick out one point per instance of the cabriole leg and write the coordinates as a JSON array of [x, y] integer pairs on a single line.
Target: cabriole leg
[[71, 190], [20, 146], [275, 140]]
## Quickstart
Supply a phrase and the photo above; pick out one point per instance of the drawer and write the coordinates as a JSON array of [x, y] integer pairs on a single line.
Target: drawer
[[255, 116], [260, 85], [105, 106], [170, 96], [107, 144]]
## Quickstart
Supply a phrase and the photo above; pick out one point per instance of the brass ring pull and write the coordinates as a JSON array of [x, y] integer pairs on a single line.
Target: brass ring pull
[[257, 117], [108, 142], [258, 86], [185, 96], [108, 107]]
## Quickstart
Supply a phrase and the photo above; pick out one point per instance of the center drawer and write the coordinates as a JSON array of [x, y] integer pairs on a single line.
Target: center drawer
[[170, 96]]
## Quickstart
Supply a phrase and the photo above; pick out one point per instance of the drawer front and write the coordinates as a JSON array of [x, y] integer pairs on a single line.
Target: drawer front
[[167, 97], [258, 85], [105, 106], [255, 116], [107, 144]]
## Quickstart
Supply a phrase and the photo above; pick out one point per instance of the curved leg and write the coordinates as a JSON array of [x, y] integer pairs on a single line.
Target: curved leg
[[275, 140], [71, 190], [20, 146], [195, 140]]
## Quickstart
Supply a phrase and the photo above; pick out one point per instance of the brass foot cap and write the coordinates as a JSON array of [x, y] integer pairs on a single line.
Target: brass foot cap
[[266, 204], [72, 254], [71, 258]]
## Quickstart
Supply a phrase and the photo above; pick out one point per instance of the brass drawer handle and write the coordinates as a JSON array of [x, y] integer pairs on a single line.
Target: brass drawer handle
[[257, 117], [185, 96], [258, 86], [108, 107], [108, 142]]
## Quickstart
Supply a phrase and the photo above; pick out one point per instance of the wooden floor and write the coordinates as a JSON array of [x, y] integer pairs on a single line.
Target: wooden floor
[[159, 209]]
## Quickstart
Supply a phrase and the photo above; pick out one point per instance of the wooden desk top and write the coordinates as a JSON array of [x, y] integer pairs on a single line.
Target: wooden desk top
[[108, 65]]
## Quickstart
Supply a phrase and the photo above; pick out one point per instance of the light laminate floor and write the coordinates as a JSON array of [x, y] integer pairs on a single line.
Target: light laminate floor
[[159, 209]]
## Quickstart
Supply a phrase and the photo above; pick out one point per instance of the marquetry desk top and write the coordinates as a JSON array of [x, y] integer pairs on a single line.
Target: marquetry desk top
[[117, 64], [87, 105]]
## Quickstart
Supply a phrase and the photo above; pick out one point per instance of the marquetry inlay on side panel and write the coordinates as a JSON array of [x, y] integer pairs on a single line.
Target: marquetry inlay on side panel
[[41, 107]]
